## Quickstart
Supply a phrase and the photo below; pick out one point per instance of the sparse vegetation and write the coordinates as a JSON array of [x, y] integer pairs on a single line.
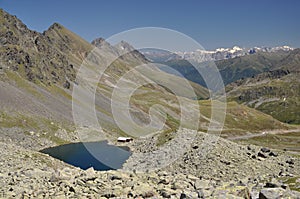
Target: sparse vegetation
[[23, 84], [293, 183], [276, 97]]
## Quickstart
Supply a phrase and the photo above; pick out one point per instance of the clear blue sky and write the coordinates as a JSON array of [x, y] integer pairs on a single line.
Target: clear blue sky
[[212, 23]]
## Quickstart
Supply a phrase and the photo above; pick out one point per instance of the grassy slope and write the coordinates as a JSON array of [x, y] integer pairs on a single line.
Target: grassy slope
[[38, 116], [285, 93], [241, 119]]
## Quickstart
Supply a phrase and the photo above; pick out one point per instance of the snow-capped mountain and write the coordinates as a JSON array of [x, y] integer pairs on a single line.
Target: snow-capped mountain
[[213, 55], [226, 53]]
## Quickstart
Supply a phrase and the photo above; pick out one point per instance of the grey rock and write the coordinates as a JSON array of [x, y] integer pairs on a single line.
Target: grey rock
[[202, 184], [265, 150], [271, 193], [261, 155], [274, 154]]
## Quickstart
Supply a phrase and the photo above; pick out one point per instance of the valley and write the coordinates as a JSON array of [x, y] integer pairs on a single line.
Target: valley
[[58, 90]]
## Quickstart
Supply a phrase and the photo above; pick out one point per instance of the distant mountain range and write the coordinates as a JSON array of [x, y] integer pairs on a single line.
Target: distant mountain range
[[234, 63], [206, 55]]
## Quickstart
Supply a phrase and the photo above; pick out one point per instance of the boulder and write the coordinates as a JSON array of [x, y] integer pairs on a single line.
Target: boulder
[[262, 155], [274, 154], [265, 150], [240, 191], [271, 193], [273, 184], [202, 184], [90, 174], [143, 189]]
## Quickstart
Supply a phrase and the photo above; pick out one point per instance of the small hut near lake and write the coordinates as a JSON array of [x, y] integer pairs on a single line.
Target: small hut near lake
[[125, 139]]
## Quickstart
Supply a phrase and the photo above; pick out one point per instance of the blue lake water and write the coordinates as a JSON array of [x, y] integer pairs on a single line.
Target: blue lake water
[[99, 155]]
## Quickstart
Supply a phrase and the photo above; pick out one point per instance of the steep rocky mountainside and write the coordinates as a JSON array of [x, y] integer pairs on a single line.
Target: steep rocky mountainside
[[37, 72], [23, 51]]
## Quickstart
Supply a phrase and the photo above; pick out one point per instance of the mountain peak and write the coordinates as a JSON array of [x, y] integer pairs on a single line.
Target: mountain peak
[[99, 42], [124, 46], [56, 26]]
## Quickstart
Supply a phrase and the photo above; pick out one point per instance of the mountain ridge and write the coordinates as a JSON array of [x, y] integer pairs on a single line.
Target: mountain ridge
[[202, 55], [230, 69]]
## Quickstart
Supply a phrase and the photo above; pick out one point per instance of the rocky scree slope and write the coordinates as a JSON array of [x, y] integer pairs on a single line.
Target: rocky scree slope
[[243, 172]]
